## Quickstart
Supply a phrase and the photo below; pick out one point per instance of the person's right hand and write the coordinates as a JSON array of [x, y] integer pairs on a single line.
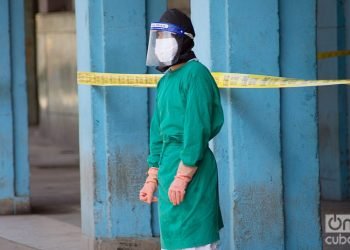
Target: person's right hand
[[150, 186], [146, 193]]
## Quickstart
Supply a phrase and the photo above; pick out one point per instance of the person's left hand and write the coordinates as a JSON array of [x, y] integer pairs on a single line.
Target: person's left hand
[[177, 188], [177, 191]]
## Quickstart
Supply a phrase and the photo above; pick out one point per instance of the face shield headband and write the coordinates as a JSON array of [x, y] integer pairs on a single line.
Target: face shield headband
[[163, 47], [170, 28]]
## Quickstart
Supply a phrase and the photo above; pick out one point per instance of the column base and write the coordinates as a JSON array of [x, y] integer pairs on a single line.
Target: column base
[[13, 206], [125, 243]]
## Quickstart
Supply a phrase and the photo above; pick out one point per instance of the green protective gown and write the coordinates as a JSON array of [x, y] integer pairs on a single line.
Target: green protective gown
[[187, 115]]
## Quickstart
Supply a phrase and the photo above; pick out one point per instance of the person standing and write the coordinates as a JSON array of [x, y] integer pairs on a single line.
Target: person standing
[[187, 115]]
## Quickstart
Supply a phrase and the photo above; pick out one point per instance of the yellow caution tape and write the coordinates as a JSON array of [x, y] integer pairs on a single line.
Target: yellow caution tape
[[223, 80], [111, 79], [329, 54]]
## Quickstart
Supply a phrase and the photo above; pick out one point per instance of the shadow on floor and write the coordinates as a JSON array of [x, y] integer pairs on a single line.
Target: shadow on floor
[[55, 186]]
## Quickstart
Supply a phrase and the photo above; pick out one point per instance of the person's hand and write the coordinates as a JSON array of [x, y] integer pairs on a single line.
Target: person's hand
[[150, 186], [177, 190], [146, 193], [178, 187]]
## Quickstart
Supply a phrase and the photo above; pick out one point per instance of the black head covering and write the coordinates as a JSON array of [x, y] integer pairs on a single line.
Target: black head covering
[[185, 53]]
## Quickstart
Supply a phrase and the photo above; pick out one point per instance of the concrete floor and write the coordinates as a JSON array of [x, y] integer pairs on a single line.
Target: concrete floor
[[55, 200], [54, 223], [55, 185]]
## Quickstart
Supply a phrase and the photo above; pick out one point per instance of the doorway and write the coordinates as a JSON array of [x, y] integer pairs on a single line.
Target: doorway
[[53, 111], [333, 31]]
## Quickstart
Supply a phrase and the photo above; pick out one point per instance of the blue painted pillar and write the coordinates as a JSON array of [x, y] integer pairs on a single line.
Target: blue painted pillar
[[255, 127], [211, 47], [14, 165], [343, 103], [332, 103], [242, 36], [272, 39], [154, 10], [299, 126], [347, 64], [111, 37]]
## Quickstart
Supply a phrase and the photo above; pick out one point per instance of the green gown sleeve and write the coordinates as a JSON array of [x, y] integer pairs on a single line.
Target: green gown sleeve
[[198, 117], [156, 141]]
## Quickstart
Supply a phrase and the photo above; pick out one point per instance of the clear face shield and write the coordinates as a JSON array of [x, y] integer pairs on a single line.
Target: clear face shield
[[162, 46]]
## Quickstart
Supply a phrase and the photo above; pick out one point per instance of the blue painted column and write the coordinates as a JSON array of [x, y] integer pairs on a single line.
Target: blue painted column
[[111, 37], [242, 36], [332, 103], [343, 103], [347, 71], [256, 146], [299, 126], [154, 10], [14, 165], [210, 23]]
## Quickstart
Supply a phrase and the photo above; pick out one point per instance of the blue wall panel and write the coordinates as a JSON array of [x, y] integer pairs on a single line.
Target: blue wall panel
[[299, 126], [248, 147], [19, 95], [333, 103], [210, 22], [329, 104], [257, 174], [347, 63], [115, 134], [126, 116], [154, 10], [343, 102], [14, 163], [86, 147], [6, 107], [211, 45]]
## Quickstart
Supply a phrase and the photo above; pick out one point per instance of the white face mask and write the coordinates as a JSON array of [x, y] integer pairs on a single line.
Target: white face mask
[[166, 49]]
